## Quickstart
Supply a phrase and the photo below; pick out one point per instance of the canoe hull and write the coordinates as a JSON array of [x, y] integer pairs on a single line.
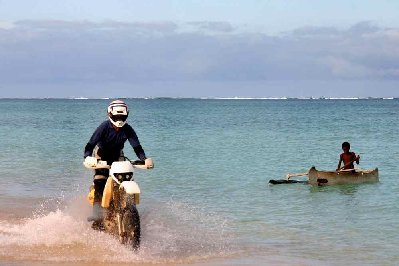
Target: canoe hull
[[322, 178]]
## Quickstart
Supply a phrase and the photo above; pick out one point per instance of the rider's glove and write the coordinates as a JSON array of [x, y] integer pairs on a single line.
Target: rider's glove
[[90, 161], [148, 163]]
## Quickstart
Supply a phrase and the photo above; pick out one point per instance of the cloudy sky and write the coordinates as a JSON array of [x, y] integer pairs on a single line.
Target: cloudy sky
[[248, 48]]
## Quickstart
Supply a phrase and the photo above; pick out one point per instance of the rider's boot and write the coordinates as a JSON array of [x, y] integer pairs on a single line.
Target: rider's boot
[[97, 213], [97, 216], [100, 178]]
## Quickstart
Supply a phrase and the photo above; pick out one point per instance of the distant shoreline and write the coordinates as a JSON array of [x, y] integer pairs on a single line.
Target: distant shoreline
[[204, 98]]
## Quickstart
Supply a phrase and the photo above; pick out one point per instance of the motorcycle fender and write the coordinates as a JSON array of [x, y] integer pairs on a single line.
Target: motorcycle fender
[[90, 196], [107, 194], [131, 188]]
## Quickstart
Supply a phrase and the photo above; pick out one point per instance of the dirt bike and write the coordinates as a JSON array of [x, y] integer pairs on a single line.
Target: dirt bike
[[120, 197]]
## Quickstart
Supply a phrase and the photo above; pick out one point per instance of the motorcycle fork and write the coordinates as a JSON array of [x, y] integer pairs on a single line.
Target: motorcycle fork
[[120, 225], [123, 203]]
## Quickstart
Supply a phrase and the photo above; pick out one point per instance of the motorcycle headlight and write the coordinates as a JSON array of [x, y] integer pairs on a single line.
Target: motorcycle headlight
[[124, 176], [129, 176]]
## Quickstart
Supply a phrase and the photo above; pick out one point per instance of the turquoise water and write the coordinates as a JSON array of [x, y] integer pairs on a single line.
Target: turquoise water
[[208, 200]]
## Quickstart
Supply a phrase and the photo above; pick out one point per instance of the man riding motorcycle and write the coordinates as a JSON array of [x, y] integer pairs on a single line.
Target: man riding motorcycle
[[107, 144]]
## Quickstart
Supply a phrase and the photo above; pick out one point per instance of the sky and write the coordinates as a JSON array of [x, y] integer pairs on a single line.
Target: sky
[[208, 48]]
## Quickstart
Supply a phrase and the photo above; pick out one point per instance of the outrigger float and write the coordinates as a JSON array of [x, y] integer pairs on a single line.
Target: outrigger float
[[340, 177]]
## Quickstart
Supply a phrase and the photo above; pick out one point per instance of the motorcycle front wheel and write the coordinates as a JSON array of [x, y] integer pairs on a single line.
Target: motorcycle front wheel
[[131, 225]]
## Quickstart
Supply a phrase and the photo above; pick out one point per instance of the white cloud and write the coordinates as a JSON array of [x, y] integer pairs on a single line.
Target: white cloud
[[59, 25], [87, 52], [213, 26], [342, 68], [6, 25]]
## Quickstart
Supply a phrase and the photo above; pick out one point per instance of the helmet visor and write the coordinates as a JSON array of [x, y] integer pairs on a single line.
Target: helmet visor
[[119, 118]]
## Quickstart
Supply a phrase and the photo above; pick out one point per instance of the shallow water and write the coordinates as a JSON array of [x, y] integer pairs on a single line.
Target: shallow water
[[208, 200]]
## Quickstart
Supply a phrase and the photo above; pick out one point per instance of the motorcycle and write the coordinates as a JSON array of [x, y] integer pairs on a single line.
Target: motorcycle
[[120, 197]]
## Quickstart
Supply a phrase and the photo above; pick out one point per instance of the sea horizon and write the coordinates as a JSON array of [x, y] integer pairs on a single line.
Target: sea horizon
[[205, 98]]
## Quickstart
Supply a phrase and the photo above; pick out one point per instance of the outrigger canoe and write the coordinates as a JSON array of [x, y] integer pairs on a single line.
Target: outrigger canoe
[[356, 176], [323, 178]]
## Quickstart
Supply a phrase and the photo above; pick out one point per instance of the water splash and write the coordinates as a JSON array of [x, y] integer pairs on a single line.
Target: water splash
[[172, 232], [178, 230]]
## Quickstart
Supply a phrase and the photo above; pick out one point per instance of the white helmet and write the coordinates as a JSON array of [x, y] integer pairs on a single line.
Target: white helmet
[[118, 113]]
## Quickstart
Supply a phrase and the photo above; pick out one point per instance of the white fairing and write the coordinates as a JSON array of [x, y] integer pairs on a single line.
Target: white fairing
[[121, 167], [130, 187]]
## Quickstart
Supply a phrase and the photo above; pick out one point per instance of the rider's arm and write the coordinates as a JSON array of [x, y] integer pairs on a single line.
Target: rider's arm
[[95, 138], [140, 152], [135, 143]]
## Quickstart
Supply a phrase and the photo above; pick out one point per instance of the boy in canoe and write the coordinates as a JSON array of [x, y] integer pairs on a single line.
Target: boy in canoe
[[347, 157]]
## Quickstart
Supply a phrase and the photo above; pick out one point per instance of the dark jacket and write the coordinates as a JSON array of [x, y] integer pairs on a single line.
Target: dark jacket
[[111, 142]]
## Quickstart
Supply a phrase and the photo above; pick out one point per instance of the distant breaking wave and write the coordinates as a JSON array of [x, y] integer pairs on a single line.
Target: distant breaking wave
[[214, 98], [276, 98], [248, 98]]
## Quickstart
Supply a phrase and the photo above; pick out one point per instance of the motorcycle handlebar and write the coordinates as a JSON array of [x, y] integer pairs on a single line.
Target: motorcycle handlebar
[[147, 164], [99, 164]]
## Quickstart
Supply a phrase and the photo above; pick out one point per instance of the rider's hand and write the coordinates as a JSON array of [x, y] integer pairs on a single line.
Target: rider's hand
[[90, 161], [148, 163]]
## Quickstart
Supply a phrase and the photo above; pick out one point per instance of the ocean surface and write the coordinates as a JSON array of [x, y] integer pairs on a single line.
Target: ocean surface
[[208, 200]]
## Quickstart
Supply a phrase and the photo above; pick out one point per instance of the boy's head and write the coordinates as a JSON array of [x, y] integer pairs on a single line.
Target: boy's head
[[346, 146]]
